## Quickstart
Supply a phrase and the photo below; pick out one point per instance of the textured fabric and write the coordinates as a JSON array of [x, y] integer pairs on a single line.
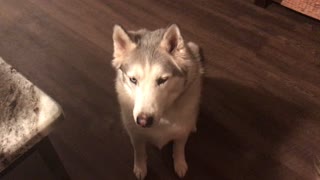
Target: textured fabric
[[307, 7], [26, 114]]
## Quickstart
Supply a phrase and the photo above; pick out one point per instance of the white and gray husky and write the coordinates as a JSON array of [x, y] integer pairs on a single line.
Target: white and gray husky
[[158, 84]]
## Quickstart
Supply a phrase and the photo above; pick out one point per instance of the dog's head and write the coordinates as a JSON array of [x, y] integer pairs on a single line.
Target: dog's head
[[153, 69]]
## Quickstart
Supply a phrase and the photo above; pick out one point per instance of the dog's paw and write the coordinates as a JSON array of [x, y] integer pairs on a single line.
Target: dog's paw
[[140, 171], [181, 168]]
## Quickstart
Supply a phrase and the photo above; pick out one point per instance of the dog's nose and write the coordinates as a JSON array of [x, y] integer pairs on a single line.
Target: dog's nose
[[144, 120]]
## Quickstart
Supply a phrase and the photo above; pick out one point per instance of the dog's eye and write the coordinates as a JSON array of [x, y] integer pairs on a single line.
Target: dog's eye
[[162, 80], [133, 80]]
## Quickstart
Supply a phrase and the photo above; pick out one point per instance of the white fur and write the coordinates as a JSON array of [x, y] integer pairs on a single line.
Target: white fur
[[174, 104]]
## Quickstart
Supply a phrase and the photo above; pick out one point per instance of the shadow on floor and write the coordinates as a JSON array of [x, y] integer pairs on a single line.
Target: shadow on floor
[[240, 131]]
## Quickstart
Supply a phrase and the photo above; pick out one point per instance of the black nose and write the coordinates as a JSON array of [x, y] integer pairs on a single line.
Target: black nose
[[144, 120]]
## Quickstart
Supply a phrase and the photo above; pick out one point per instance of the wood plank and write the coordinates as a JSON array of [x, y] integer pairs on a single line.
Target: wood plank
[[260, 108]]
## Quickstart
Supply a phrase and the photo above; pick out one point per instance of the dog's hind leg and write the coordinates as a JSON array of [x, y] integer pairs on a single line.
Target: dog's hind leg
[[140, 158], [180, 164]]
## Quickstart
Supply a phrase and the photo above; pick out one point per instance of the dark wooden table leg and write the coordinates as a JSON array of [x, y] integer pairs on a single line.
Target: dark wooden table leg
[[51, 158], [262, 3]]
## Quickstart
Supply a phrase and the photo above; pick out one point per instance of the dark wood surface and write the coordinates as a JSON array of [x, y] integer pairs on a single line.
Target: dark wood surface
[[259, 117]]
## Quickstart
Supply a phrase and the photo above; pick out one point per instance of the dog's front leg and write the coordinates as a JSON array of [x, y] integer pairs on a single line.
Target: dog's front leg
[[140, 159], [180, 164]]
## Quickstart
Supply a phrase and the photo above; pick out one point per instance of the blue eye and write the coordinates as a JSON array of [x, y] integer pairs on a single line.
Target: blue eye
[[133, 80]]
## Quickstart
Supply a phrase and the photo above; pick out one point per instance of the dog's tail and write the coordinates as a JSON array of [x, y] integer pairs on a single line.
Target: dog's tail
[[197, 54], [195, 50]]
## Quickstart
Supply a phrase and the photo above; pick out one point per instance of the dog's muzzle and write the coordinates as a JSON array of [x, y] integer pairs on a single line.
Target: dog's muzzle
[[144, 120]]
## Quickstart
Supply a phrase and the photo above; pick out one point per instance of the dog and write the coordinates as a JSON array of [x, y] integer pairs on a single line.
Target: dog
[[158, 85]]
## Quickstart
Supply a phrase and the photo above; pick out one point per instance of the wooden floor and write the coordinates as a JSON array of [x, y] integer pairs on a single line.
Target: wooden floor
[[259, 117]]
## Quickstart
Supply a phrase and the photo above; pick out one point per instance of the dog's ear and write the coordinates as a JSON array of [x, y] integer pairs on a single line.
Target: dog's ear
[[122, 43], [172, 41]]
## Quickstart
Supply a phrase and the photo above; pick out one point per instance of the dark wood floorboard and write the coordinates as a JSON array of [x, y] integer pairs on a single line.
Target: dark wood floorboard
[[259, 117]]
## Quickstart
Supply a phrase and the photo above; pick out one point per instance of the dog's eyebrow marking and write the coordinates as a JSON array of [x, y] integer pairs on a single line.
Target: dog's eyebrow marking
[[125, 70], [123, 67], [173, 69]]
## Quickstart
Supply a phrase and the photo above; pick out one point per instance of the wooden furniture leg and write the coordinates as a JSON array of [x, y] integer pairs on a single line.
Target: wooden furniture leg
[[51, 158]]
